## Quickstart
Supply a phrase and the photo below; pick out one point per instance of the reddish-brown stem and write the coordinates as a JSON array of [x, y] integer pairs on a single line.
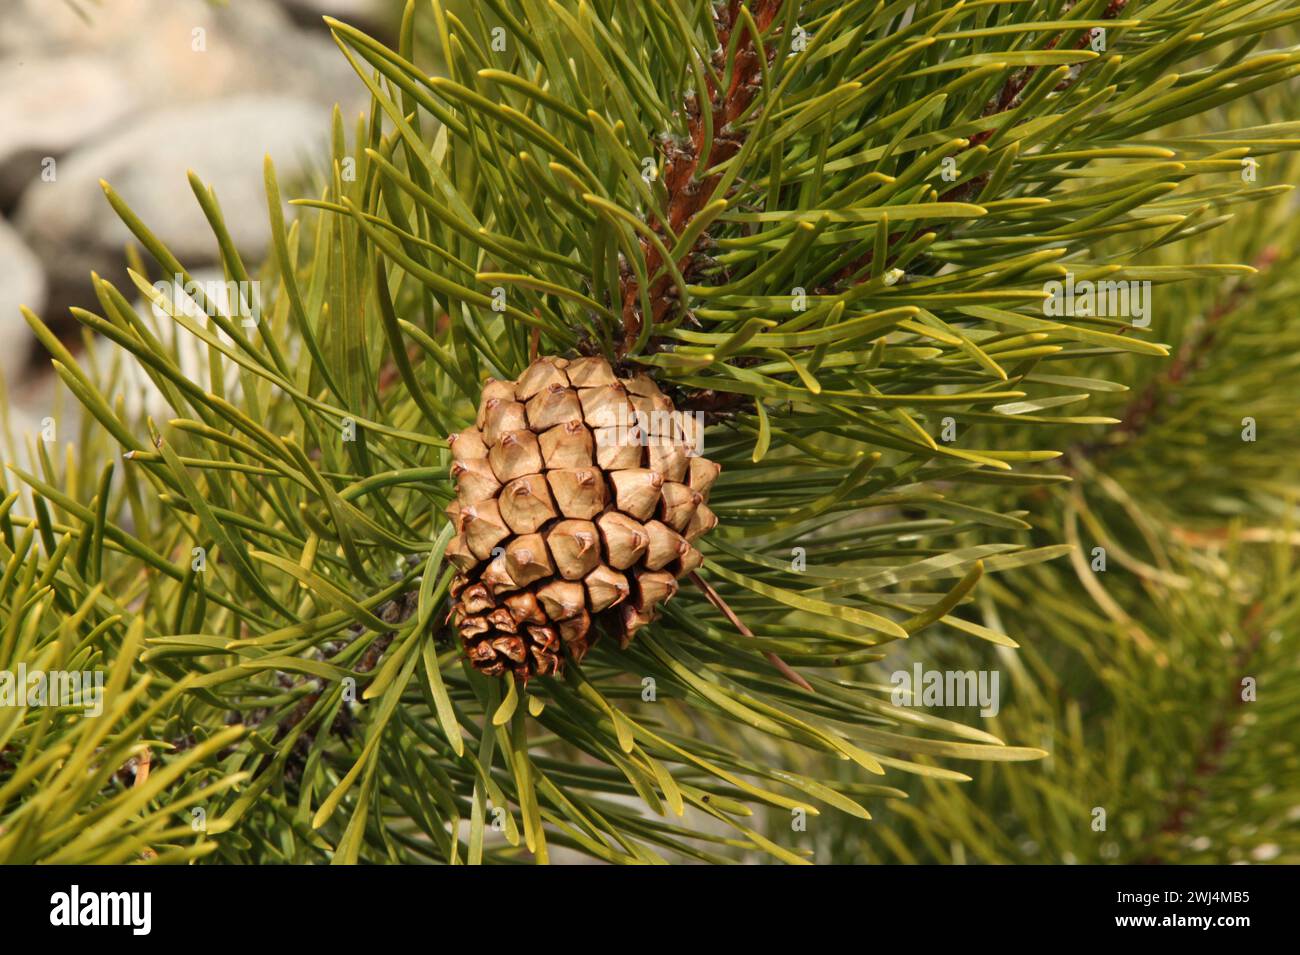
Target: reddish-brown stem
[[687, 178], [715, 598], [1209, 762], [1010, 93], [1146, 406], [1192, 353]]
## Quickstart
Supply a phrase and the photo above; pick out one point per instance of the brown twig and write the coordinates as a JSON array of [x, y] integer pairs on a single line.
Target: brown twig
[[142, 763], [687, 179], [1191, 356], [1009, 95], [716, 599], [1147, 405], [1209, 762]]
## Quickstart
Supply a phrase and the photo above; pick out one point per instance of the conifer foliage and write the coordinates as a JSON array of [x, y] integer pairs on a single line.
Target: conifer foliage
[[829, 230]]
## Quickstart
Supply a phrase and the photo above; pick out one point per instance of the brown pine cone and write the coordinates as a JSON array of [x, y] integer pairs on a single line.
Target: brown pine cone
[[579, 495]]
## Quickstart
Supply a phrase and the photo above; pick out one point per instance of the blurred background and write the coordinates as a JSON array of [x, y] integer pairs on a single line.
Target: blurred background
[[138, 92]]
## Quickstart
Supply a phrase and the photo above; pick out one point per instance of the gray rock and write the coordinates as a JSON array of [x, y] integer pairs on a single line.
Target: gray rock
[[40, 410], [181, 51], [50, 104], [21, 283], [73, 229], [349, 11]]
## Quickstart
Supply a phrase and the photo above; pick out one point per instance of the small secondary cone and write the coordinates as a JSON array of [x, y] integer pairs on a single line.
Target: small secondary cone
[[579, 498]]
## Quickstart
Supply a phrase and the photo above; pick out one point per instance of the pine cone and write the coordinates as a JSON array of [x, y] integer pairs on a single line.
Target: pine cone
[[579, 495]]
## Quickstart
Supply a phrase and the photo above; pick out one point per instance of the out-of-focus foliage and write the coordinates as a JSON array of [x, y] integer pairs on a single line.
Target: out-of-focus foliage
[[1164, 685]]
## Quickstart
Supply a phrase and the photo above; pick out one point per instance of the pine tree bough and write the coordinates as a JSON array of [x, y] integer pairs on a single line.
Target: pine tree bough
[[688, 174], [579, 497], [1009, 97], [1146, 406]]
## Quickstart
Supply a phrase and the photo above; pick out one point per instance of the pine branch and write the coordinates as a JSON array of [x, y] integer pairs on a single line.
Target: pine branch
[[689, 178], [1209, 760], [1192, 355], [1008, 98]]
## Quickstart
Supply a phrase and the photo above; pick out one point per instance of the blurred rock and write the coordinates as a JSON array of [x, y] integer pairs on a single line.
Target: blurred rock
[[137, 92], [182, 50], [83, 92], [73, 229], [49, 105], [349, 11], [21, 283]]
